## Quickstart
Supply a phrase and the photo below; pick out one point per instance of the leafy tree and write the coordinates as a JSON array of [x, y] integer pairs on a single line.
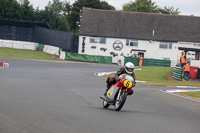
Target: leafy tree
[[55, 21], [141, 6], [74, 16], [27, 11], [149, 6], [10, 10], [105, 5], [169, 10], [56, 6], [60, 7]]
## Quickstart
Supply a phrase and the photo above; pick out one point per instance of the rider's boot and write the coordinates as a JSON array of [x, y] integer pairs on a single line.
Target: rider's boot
[[105, 92]]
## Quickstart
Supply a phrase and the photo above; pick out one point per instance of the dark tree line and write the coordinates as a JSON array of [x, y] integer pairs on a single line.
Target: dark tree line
[[61, 15]]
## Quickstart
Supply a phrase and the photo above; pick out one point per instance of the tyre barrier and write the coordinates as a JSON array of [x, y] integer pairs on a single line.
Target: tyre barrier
[[198, 76], [177, 74]]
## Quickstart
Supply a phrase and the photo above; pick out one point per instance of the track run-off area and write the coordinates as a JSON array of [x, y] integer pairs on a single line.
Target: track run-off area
[[63, 97]]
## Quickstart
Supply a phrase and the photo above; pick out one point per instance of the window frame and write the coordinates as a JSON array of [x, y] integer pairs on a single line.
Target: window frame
[[168, 44], [97, 40], [129, 41]]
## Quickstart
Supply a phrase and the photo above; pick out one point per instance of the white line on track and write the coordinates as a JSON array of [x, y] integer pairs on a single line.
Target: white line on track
[[179, 96]]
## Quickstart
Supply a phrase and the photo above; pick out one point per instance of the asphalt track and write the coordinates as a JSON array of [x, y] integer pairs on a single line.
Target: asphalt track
[[63, 97]]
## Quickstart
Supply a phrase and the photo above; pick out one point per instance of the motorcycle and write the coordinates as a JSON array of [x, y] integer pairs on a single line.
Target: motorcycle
[[117, 93]]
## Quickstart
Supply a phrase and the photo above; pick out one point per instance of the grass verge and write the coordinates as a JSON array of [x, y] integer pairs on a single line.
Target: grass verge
[[159, 76], [25, 54], [194, 95]]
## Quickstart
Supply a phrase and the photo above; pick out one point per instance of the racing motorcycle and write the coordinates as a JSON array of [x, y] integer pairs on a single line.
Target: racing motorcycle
[[117, 93]]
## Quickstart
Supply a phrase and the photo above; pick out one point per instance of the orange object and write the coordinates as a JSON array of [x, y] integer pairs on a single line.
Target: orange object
[[140, 61], [187, 67], [183, 59], [193, 72]]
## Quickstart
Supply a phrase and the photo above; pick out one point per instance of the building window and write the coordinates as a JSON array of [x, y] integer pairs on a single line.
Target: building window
[[131, 42], [165, 45], [100, 40]]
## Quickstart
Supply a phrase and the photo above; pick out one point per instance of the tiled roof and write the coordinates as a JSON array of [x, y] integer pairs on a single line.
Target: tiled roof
[[142, 26]]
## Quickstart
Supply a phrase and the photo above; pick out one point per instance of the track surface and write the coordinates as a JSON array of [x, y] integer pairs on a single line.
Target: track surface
[[63, 97]]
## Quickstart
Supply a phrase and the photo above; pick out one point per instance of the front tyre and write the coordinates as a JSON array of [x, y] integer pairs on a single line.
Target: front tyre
[[121, 98], [105, 104]]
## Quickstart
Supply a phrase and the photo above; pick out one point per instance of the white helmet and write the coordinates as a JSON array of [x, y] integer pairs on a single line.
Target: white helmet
[[129, 67]]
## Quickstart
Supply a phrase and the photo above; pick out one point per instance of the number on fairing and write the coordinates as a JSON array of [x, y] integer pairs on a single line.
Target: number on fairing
[[128, 84]]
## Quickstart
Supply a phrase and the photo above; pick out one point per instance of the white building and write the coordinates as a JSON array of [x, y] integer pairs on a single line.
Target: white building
[[155, 36]]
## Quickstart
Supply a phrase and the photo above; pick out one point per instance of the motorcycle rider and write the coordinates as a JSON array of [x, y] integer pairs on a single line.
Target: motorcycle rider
[[128, 69]]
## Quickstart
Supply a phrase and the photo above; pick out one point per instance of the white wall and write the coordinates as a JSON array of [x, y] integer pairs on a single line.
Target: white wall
[[18, 44], [31, 46], [152, 49], [51, 50], [195, 63]]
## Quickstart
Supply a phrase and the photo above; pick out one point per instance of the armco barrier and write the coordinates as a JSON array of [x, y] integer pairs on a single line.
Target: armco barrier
[[177, 74], [89, 58], [149, 62]]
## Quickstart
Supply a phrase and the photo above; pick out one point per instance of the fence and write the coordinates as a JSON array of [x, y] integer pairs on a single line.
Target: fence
[[38, 32], [89, 58], [149, 62]]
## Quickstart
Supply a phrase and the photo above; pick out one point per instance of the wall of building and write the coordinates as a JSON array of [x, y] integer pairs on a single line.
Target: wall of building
[[152, 48]]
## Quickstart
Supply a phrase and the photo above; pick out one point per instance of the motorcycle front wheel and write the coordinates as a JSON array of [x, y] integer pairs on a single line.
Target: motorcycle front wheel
[[120, 100]]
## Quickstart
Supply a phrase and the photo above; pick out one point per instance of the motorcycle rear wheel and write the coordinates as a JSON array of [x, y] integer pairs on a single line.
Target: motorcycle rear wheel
[[105, 104], [120, 102]]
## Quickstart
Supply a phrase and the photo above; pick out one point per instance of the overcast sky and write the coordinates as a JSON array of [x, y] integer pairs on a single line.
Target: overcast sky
[[186, 7]]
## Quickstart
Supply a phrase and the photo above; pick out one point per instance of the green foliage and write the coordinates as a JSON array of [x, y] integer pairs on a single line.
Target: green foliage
[[10, 10], [141, 6], [74, 16], [27, 11], [169, 10], [149, 6], [55, 15], [55, 21]]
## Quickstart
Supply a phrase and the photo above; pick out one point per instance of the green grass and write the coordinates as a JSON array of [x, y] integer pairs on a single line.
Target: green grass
[[159, 76], [25, 54], [192, 94], [195, 95]]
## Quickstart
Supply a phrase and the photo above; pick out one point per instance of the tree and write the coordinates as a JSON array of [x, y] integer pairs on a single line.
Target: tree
[[169, 10], [106, 6], [74, 16], [56, 6], [141, 6], [27, 11], [149, 6], [10, 10], [56, 21]]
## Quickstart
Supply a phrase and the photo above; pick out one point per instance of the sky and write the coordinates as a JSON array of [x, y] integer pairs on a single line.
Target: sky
[[186, 7]]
